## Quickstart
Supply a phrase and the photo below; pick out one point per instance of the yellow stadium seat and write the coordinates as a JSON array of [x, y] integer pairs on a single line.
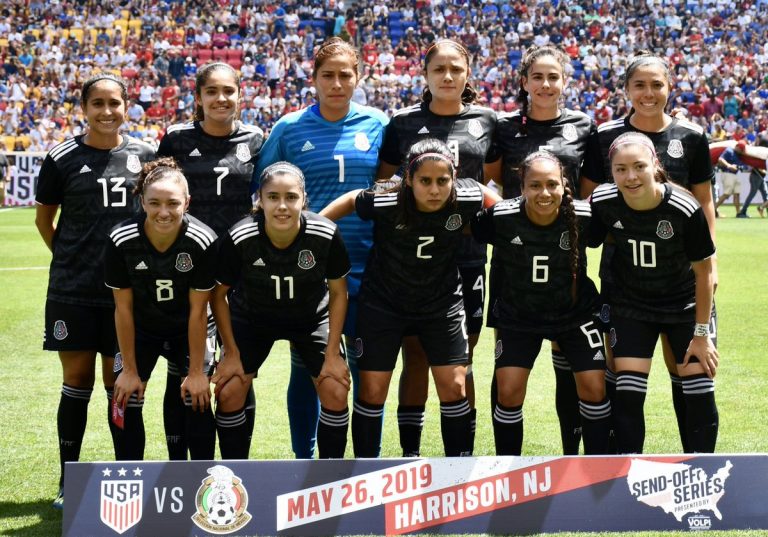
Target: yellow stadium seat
[[94, 33], [125, 14], [76, 34], [9, 142], [135, 26]]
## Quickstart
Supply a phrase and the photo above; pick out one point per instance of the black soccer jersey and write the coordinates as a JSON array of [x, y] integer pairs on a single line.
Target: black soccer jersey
[[534, 264], [161, 281], [651, 272], [412, 270], [282, 286], [218, 169], [471, 136], [93, 188], [572, 137], [682, 149]]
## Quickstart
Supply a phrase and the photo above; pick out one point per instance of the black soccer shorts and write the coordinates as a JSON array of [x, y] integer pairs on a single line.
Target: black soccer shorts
[[630, 338], [473, 291], [72, 327]]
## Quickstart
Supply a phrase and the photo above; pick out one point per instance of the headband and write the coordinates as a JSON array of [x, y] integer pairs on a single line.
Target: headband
[[283, 167], [632, 138], [439, 156]]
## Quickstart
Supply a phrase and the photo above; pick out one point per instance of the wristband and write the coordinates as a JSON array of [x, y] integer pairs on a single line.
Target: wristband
[[701, 329]]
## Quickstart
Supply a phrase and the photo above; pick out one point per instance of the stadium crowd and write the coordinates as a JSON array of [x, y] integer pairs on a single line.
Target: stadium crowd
[[718, 50]]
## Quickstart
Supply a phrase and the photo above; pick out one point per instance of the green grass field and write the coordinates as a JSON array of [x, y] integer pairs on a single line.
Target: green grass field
[[30, 381]]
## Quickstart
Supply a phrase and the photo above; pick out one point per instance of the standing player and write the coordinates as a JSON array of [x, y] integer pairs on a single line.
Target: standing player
[[446, 113], [286, 268], [161, 268], [542, 125], [539, 242], [90, 178], [683, 151], [662, 282], [217, 153], [336, 145], [412, 285]]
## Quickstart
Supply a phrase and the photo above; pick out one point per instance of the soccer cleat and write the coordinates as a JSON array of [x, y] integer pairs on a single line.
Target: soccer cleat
[[58, 502]]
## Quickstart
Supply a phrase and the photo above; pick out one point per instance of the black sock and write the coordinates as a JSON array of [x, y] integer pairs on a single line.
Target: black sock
[[628, 416], [200, 432], [410, 421], [456, 428], [131, 438], [508, 429], [332, 433], [173, 416], [596, 426], [473, 429], [114, 431], [250, 412], [610, 393], [71, 419], [678, 402], [233, 434], [703, 418], [567, 405], [366, 429]]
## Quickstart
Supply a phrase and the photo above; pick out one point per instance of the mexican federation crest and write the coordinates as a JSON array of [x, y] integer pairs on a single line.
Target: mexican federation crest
[[242, 152], [221, 502], [569, 132], [184, 262], [306, 259], [133, 164], [565, 241], [120, 505], [664, 230], [675, 149], [453, 223], [475, 128], [361, 142], [60, 330]]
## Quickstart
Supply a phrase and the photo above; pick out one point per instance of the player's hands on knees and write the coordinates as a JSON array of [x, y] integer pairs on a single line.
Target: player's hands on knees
[[127, 383], [336, 368], [199, 390], [702, 348], [229, 366]]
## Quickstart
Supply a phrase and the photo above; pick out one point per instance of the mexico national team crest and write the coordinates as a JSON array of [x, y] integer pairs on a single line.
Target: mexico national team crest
[[453, 223], [306, 259], [565, 241], [569, 133], [133, 164], [121, 503], [664, 230], [183, 262], [221, 502], [361, 142], [475, 128], [243, 153], [499, 350], [60, 330], [675, 149]]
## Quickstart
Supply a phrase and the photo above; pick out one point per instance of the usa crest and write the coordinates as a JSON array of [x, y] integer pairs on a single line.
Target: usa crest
[[664, 230], [306, 259], [184, 262], [565, 241], [221, 502], [121, 503], [60, 330], [453, 223], [675, 149], [361, 142], [474, 128], [133, 164], [569, 133], [243, 153]]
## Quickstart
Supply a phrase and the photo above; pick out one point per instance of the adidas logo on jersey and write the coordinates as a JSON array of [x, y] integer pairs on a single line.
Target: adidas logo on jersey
[[195, 153], [423, 130], [478, 313], [618, 225], [142, 266], [517, 241], [307, 146], [599, 356], [520, 135], [85, 169], [259, 263]]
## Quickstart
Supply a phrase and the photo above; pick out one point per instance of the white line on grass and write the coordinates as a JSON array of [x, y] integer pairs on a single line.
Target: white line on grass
[[23, 268]]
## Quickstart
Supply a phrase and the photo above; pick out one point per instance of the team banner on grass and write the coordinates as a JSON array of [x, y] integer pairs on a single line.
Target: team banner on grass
[[496, 495], [25, 167]]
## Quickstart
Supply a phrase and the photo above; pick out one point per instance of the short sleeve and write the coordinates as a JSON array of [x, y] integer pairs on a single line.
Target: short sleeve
[[390, 147], [115, 271], [698, 241], [364, 205], [271, 152], [483, 229], [592, 166], [50, 184], [338, 258], [229, 262], [205, 276], [701, 168]]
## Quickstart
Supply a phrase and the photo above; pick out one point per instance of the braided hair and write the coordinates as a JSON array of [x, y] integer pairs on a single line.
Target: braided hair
[[566, 209], [532, 54], [469, 95]]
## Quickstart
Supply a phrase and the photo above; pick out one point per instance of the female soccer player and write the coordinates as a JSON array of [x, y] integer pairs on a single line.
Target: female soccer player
[[447, 113], [217, 153], [412, 286], [286, 268], [541, 123], [161, 268], [90, 178], [336, 144], [539, 243], [683, 151], [662, 282]]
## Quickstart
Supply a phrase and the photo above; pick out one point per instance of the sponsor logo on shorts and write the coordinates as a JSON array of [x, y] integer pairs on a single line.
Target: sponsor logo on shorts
[[359, 347], [475, 128], [675, 149], [612, 337], [121, 501], [183, 262], [565, 241], [569, 133], [221, 502], [306, 259], [605, 313], [133, 164], [243, 152], [497, 352], [60, 330], [664, 230], [453, 223], [361, 142], [118, 365]]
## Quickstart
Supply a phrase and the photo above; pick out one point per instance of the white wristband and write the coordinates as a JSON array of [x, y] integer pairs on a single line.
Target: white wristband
[[701, 329]]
